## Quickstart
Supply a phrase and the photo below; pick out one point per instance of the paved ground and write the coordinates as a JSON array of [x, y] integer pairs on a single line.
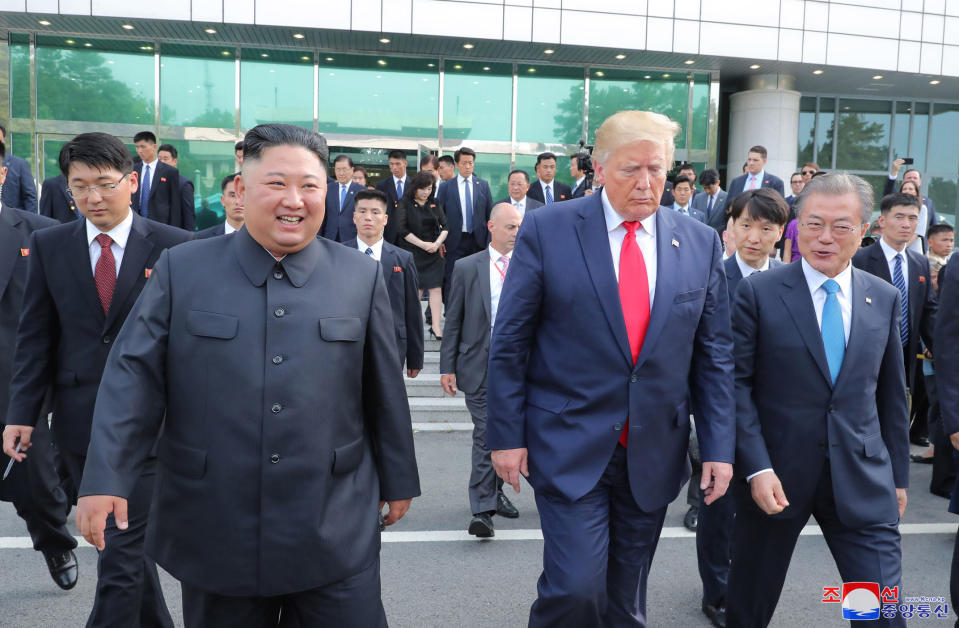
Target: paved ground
[[470, 583]]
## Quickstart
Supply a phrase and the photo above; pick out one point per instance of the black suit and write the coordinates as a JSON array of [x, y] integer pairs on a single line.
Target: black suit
[[922, 299], [580, 190], [399, 272], [211, 232], [947, 382], [63, 342], [459, 243], [187, 208], [165, 196], [33, 486], [338, 222], [388, 187], [55, 201], [561, 191]]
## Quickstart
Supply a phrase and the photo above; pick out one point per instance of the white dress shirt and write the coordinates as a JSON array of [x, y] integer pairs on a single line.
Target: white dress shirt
[[890, 254], [376, 246], [682, 209], [228, 228], [153, 171], [461, 184], [748, 270], [520, 205], [495, 280], [645, 238], [759, 180], [119, 234]]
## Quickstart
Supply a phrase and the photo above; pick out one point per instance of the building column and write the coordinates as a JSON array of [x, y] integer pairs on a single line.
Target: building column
[[765, 113]]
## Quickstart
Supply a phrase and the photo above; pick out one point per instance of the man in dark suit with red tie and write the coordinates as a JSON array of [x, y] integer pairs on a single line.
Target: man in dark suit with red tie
[[600, 426], [82, 280]]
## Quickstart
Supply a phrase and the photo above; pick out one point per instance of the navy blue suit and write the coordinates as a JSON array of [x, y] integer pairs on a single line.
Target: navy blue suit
[[598, 518], [338, 223], [55, 201], [738, 185], [840, 449], [19, 189], [460, 244]]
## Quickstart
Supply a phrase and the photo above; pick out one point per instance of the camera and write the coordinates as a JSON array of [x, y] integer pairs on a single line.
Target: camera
[[584, 161]]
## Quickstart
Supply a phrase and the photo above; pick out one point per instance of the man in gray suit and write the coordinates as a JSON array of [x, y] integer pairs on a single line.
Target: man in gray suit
[[285, 425], [470, 314]]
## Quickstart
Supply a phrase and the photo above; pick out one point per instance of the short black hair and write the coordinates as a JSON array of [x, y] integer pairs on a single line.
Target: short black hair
[[709, 176], [543, 156], [168, 148], [227, 180], [345, 158], [761, 204], [397, 154], [936, 229], [899, 199], [682, 179], [375, 195], [522, 172], [446, 159], [3, 151], [264, 136], [795, 174], [145, 136], [238, 146], [463, 151], [911, 170], [428, 158], [686, 166], [97, 150], [419, 181], [758, 149]]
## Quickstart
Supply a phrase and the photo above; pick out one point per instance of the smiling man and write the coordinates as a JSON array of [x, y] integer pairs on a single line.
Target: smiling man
[[285, 426]]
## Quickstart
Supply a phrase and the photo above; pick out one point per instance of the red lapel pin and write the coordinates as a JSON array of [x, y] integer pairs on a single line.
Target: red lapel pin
[[163, 179], [397, 269], [922, 279], [147, 272], [24, 252]]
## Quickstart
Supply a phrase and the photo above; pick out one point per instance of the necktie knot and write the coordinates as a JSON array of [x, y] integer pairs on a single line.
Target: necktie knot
[[631, 226], [830, 286], [369, 251], [899, 257], [504, 262], [104, 241]]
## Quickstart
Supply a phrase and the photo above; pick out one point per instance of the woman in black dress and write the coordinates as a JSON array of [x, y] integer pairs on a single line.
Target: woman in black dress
[[421, 228]]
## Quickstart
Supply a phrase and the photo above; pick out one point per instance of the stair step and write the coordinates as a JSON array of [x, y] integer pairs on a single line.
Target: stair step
[[439, 410], [426, 385]]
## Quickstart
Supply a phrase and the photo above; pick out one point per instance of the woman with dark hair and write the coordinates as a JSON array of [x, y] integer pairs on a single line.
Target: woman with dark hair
[[359, 176], [910, 187], [421, 228]]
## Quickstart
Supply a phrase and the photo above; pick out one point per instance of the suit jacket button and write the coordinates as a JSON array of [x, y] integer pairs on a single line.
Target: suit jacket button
[[633, 379], [618, 427], [830, 408], [275, 409], [275, 458], [279, 312], [106, 340], [278, 274], [277, 359]]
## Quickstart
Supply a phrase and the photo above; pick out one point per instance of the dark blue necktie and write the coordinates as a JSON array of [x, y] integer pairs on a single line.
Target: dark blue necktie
[[469, 206], [399, 188], [833, 332], [145, 192], [709, 205], [369, 251], [549, 195], [900, 282]]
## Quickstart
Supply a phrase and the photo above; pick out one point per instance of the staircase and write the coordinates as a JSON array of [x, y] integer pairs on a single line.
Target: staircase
[[428, 402]]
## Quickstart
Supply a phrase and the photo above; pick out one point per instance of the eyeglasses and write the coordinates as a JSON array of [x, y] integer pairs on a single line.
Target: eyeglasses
[[805, 172], [840, 231], [104, 190]]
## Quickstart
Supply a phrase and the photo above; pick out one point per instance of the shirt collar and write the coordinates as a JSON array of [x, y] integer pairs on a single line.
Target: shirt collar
[[747, 270], [395, 180], [759, 177], [815, 279], [678, 207], [890, 252], [257, 263], [152, 164], [376, 246], [614, 220], [579, 181], [520, 202], [545, 184], [227, 227], [495, 255], [460, 179], [118, 234]]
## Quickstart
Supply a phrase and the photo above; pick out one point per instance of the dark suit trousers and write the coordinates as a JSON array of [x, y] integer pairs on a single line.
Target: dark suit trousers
[[714, 534], [763, 547], [128, 585], [42, 498], [466, 247], [943, 470], [597, 553], [484, 483], [352, 602]]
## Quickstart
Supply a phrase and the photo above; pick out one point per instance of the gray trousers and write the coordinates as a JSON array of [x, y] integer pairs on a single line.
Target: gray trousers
[[484, 483]]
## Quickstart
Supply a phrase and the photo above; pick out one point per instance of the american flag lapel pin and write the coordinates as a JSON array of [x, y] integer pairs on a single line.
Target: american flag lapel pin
[[868, 300], [676, 243]]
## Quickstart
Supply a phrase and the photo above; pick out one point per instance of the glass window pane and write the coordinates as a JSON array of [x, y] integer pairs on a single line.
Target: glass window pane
[[900, 132], [877, 181], [19, 76], [943, 192], [863, 134], [807, 129], [51, 154], [528, 163], [21, 145], [206, 163], [549, 104], [77, 84], [700, 112], [943, 156], [359, 95], [199, 89], [825, 131], [477, 101], [615, 90], [276, 87], [920, 134], [494, 167]]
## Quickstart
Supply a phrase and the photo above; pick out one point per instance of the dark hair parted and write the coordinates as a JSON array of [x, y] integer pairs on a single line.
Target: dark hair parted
[[97, 150], [419, 181], [227, 180], [371, 195], [709, 176], [761, 204], [541, 157], [899, 200], [446, 159], [758, 149], [396, 154], [170, 148], [682, 179], [428, 159], [146, 136], [345, 158], [522, 172], [464, 151], [264, 136]]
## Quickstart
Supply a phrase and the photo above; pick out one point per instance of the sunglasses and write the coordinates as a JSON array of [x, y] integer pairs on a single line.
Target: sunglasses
[[805, 172]]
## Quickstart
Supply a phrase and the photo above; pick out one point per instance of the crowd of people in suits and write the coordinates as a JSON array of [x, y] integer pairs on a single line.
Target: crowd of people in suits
[[683, 301]]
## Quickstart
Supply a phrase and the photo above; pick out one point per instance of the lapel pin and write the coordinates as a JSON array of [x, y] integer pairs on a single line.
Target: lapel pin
[[147, 272], [922, 279], [868, 300], [24, 252], [397, 269], [676, 243]]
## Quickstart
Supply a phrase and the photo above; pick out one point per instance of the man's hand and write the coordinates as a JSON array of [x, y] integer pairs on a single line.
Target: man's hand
[[953, 438], [715, 480], [448, 382], [411, 373], [92, 512], [901, 499], [897, 166], [509, 464], [768, 493], [589, 192], [398, 508], [11, 434]]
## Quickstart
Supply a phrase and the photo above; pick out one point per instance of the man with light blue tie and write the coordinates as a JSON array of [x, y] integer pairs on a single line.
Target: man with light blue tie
[[393, 187], [829, 435], [755, 176], [338, 222]]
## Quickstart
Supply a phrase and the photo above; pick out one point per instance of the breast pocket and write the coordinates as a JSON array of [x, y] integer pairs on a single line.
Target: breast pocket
[[691, 295], [341, 329], [212, 325]]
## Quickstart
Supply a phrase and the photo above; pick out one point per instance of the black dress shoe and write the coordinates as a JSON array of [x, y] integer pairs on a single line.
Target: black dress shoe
[[63, 568], [504, 507], [482, 526], [922, 441], [691, 520], [716, 614], [920, 458]]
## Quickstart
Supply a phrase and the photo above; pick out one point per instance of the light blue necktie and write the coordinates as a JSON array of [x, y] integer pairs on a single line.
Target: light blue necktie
[[549, 194], [145, 192], [469, 206], [833, 333], [342, 195], [899, 281], [369, 251], [399, 188]]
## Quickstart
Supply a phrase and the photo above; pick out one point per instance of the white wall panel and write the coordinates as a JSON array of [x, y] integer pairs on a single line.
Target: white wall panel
[[844, 18], [686, 36], [78, 7], [304, 13], [547, 22], [932, 28], [688, 9], [912, 5], [934, 6], [861, 52], [790, 45], [659, 34], [366, 15], [730, 40], [910, 26], [547, 4], [595, 29], [518, 23], [817, 16], [791, 13], [814, 47], [660, 8], [950, 60], [398, 16], [625, 7], [168, 10], [13, 5], [764, 13], [931, 60], [43, 6], [952, 31], [909, 53], [952, 7], [457, 19]]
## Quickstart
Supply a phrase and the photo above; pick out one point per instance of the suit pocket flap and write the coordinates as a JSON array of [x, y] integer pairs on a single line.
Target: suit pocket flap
[[182, 459], [691, 295], [872, 445], [546, 400], [211, 324], [348, 457], [346, 328]]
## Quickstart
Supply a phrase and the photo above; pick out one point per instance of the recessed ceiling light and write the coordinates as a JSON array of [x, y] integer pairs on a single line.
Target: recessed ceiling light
[[486, 68], [264, 55], [70, 41], [44, 23], [305, 58], [877, 77], [127, 27], [380, 62], [384, 40], [431, 65], [666, 75], [457, 67], [209, 31], [298, 35], [469, 46], [329, 58], [600, 73], [817, 72], [620, 56], [146, 47], [548, 51], [225, 53], [934, 82], [647, 76], [689, 61], [754, 66], [532, 70], [88, 44]]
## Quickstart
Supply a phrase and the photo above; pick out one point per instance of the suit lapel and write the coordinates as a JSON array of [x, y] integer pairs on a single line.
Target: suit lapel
[[800, 307], [667, 257], [11, 242], [914, 293], [594, 241], [135, 256], [859, 334], [880, 266], [482, 274]]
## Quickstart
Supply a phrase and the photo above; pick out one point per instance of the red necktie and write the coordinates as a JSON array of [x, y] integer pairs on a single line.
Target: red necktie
[[634, 297], [105, 273]]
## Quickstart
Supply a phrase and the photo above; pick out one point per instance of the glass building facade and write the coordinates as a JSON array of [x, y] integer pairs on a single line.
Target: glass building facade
[[202, 99]]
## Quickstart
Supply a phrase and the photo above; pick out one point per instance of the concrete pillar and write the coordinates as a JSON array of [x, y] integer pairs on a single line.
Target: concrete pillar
[[766, 113]]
